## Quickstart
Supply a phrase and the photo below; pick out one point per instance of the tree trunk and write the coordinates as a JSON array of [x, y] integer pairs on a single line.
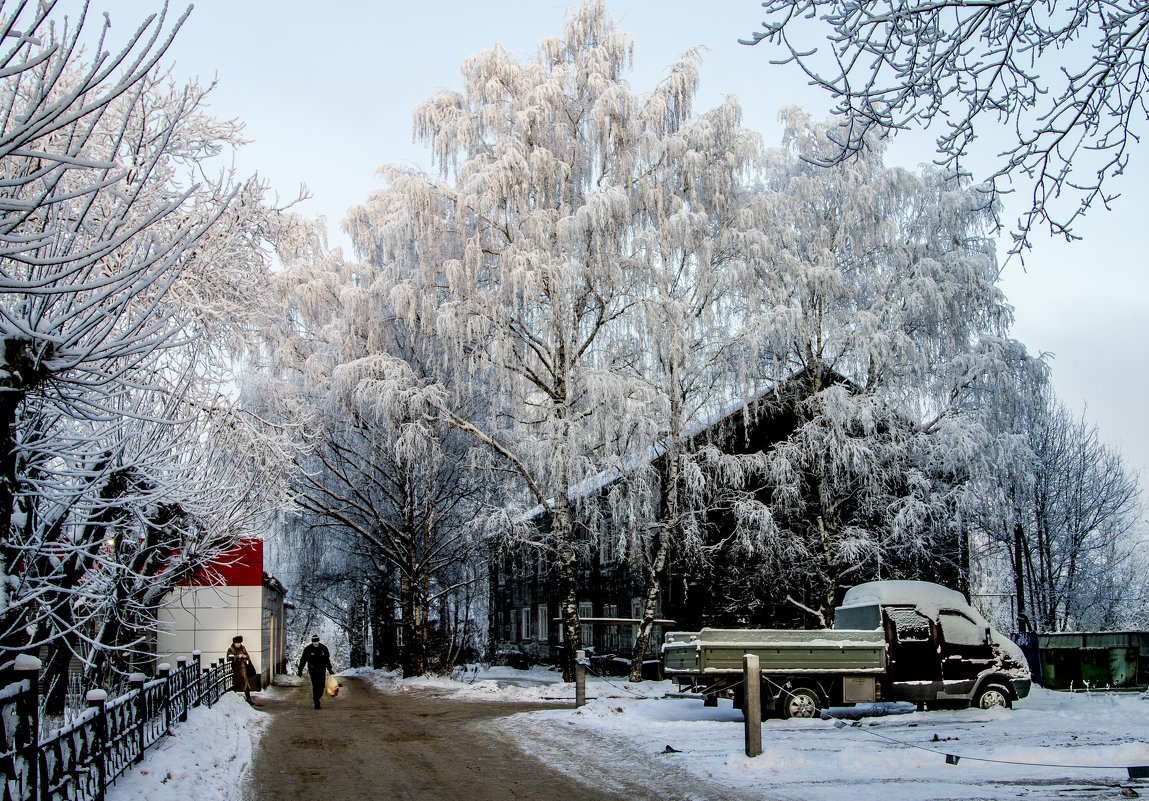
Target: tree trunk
[[384, 648], [567, 585], [671, 527], [357, 635]]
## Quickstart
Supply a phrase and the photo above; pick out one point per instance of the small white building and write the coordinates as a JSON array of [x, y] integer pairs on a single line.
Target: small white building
[[234, 597]]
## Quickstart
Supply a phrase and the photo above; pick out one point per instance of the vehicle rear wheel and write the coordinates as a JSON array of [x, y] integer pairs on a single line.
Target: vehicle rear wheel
[[799, 702], [992, 696]]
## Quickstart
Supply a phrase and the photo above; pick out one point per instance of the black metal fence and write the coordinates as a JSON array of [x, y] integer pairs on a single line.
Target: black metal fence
[[79, 761]]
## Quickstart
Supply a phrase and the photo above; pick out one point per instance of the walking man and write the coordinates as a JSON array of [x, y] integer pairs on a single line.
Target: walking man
[[317, 659]]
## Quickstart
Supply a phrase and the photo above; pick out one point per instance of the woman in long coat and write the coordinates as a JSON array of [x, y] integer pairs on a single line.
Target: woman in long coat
[[240, 659]]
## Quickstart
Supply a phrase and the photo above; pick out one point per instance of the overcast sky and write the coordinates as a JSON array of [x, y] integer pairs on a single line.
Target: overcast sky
[[326, 92]]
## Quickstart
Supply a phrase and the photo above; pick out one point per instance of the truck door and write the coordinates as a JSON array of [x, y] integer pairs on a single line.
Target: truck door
[[965, 650], [913, 652]]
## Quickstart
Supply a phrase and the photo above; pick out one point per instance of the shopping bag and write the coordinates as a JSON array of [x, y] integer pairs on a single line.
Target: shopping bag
[[332, 688]]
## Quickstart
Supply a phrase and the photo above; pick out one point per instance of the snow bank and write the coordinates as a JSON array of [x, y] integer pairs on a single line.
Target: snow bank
[[507, 684], [206, 757], [1050, 738]]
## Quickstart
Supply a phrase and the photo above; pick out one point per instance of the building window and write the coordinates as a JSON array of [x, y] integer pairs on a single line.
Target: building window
[[544, 624], [611, 637], [514, 626], [526, 622], [586, 609]]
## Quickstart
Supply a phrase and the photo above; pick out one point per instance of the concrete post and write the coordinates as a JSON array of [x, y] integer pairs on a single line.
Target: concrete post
[[752, 678], [580, 679]]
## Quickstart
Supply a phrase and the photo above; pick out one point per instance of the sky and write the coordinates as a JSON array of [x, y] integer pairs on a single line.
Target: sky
[[326, 92]]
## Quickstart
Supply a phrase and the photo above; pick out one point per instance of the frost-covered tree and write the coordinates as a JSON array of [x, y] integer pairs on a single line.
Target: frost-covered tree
[[696, 228], [1066, 78], [884, 326], [385, 493], [126, 275], [518, 251], [1064, 511]]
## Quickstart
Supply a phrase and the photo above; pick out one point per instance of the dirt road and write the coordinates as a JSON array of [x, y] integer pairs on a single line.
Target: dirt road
[[377, 747]]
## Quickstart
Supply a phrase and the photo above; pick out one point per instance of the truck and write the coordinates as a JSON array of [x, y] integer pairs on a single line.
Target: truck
[[909, 641]]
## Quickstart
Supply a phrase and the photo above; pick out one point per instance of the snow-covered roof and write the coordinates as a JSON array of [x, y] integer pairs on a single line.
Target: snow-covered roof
[[600, 481]]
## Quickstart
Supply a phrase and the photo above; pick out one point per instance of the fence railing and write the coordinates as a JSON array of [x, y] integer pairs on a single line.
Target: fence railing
[[79, 761]]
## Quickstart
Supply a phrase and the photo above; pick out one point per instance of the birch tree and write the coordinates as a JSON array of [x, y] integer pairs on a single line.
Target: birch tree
[[383, 489], [885, 326], [519, 247], [697, 228]]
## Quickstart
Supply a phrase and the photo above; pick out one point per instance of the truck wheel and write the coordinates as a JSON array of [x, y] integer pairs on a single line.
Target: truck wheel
[[992, 696], [799, 702]]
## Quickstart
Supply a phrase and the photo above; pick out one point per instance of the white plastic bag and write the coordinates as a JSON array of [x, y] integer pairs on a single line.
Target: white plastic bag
[[332, 688]]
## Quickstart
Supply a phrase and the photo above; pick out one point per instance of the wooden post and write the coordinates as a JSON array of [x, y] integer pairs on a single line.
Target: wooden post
[[136, 681], [580, 679], [98, 699], [752, 677], [26, 737]]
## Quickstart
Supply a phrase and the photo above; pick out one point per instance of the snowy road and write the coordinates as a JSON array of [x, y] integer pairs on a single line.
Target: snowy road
[[422, 733], [417, 744]]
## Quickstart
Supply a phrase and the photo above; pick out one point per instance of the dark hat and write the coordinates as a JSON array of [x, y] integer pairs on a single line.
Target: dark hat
[[237, 638], [315, 638]]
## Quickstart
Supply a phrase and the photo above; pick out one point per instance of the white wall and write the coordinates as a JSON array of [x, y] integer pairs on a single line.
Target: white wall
[[206, 618]]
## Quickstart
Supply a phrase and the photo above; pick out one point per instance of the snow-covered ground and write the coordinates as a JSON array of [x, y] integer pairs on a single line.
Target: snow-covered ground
[[205, 758], [1051, 745]]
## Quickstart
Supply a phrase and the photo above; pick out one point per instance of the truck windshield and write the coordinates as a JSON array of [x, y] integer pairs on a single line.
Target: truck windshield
[[858, 617]]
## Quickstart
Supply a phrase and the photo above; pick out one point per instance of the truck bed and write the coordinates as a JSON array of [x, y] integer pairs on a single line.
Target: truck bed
[[778, 651]]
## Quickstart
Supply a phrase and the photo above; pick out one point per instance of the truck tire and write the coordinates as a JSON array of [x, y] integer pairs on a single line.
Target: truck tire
[[992, 696], [799, 702]]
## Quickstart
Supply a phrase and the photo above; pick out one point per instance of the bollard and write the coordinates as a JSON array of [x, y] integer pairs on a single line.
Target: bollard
[[580, 679], [752, 679], [136, 682], [26, 738], [98, 700]]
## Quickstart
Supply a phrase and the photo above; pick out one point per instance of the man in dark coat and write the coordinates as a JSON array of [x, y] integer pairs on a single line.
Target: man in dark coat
[[317, 659]]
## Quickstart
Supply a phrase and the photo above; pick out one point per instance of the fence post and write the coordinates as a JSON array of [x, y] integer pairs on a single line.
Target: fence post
[[752, 683], [580, 679], [197, 673], [217, 685], [136, 681], [165, 673], [98, 700], [26, 737], [182, 688]]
